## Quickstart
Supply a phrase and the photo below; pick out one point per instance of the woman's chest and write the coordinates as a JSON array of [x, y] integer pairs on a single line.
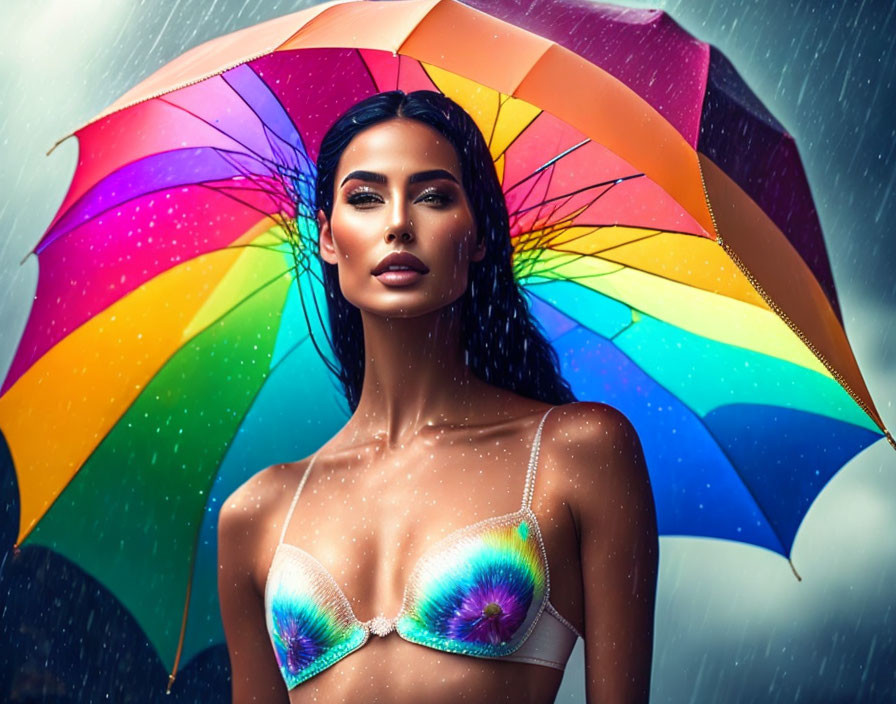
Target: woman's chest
[[477, 591], [375, 520], [377, 541]]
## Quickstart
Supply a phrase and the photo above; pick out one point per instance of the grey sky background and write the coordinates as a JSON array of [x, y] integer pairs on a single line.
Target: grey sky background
[[733, 624]]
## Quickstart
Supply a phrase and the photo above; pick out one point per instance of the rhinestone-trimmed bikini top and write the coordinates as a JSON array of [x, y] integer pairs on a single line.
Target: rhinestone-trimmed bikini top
[[481, 591]]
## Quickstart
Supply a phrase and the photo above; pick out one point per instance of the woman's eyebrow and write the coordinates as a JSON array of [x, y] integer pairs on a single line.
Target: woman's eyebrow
[[430, 175]]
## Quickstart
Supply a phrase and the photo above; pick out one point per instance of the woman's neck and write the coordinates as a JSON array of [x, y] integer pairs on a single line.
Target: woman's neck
[[415, 375]]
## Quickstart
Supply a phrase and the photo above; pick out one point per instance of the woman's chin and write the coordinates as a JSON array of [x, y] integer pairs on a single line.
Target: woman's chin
[[404, 305]]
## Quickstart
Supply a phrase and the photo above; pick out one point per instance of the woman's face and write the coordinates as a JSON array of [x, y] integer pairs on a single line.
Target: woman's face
[[398, 189]]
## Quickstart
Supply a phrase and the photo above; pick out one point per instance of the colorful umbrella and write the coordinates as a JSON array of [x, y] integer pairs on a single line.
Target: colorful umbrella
[[662, 228]]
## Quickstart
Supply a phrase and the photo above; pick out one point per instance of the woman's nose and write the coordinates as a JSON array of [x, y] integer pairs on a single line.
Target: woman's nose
[[399, 225], [404, 236]]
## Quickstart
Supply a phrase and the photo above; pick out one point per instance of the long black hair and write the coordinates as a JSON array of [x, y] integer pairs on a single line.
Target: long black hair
[[502, 342]]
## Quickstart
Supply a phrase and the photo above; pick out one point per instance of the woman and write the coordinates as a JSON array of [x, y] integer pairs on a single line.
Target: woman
[[470, 519]]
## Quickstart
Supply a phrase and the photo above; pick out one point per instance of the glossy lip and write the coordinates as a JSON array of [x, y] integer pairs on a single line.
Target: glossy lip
[[399, 278], [403, 259]]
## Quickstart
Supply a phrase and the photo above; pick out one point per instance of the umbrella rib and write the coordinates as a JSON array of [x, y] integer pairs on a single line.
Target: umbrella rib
[[276, 99], [514, 217], [276, 202], [550, 175], [295, 151], [283, 168], [622, 329], [245, 61], [249, 150], [591, 229], [533, 184], [579, 210], [581, 277], [302, 171], [596, 252], [604, 250], [633, 226], [547, 164], [333, 368], [595, 227], [642, 238], [291, 197], [509, 97], [252, 245], [308, 271], [786, 319], [609, 186], [226, 154], [690, 410], [494, 125], [643, 271], [370, 73], [585, 277], [744, 484], [226, 192], [521, 131], [299, 255], [554, 268], [40, 249], [540, 238], [255, 179]]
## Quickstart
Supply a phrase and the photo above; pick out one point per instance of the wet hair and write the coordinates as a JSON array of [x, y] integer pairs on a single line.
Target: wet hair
[[502, 342]]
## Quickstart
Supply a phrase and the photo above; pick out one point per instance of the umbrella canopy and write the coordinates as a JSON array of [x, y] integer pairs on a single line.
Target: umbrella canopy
[[662, 228]]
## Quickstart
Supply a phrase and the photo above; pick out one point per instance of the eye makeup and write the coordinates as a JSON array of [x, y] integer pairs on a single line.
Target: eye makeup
[[366, 195]]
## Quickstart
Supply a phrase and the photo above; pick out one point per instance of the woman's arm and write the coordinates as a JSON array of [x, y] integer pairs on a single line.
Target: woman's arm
[[253, 667], [616, 520]]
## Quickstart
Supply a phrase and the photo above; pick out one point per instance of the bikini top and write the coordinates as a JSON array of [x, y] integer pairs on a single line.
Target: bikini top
[[481, 591]]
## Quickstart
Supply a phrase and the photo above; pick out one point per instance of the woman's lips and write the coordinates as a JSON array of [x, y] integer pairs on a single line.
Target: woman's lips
[[405, 277]]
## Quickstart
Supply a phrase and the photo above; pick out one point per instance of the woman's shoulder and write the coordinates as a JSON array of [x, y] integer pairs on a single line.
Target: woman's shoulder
[[595, 451], [249, 518], [261, 495], [593, 421]]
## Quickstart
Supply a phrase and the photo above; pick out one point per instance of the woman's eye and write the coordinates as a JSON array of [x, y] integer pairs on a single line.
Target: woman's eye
[[362, 198], [436, 198]]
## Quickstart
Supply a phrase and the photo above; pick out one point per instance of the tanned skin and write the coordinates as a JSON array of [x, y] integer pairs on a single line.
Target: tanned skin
[[430, 449]]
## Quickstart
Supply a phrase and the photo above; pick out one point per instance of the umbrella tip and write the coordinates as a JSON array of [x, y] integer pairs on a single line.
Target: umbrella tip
[[170, 682], [795, 573], [58, 142], [890, 439]]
